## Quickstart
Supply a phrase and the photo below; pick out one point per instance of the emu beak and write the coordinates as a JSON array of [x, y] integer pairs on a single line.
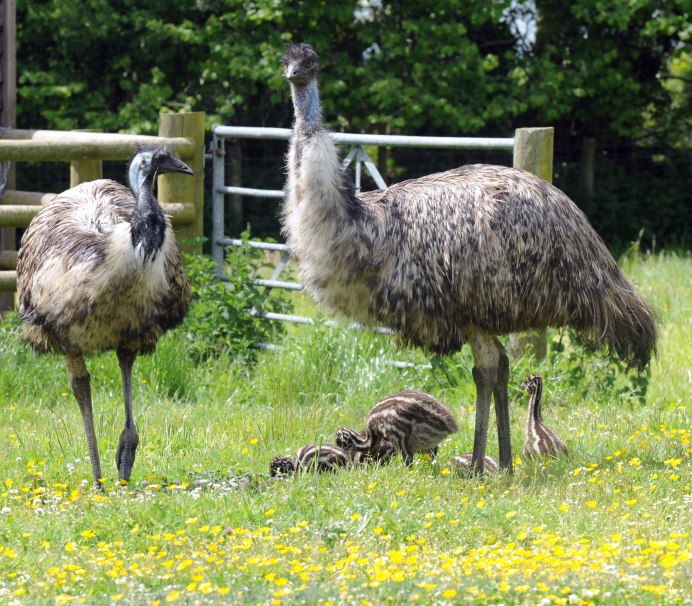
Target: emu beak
[[174, 165], [296, 74]]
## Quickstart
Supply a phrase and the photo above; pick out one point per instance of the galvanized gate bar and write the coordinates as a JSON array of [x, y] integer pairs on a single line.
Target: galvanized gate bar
[[249, 191], [252, 132]]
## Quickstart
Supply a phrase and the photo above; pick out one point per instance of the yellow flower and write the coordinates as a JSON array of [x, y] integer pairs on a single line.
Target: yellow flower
[[591, 504], [355, 516], [510, 514], [563, 507], [269, 512], [449, 593], [254, 441], [480, 504], [172, 596], [394, 505]]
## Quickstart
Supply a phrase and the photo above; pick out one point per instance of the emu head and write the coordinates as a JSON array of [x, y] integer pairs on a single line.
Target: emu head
[[532, 383], [347, 439], [281, 466], [300, 63], [149, 160]]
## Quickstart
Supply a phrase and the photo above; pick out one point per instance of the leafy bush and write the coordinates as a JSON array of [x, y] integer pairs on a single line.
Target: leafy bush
[[224, 316]]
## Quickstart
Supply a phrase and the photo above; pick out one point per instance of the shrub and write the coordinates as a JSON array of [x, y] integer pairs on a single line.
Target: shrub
[[224, 315]]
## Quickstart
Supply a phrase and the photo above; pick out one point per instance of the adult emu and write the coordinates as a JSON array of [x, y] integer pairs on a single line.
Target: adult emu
[[99, 269], [455, 257]]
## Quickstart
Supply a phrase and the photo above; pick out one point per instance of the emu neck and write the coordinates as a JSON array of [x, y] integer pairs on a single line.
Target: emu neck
[[535, 403], [147, 224], [306, 104]]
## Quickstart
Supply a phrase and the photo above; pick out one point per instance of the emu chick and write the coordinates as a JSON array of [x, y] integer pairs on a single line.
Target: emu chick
[[539, 439], [313, 457], [413, 421]]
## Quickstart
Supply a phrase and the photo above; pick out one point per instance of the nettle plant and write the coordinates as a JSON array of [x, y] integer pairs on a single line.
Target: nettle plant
[[224, 318]]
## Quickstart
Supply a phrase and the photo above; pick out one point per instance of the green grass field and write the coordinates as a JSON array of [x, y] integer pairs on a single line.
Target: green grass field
[[201, 521]]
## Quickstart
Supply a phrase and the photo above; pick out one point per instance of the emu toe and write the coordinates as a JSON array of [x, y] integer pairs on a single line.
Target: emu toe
[[125, 455]]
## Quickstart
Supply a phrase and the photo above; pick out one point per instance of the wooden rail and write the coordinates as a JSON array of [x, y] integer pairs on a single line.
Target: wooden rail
[[533, 151], [181, 197]]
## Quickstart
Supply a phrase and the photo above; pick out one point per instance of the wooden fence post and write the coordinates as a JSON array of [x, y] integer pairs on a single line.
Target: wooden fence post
[[82, 171], [184, 188], [533, 152]]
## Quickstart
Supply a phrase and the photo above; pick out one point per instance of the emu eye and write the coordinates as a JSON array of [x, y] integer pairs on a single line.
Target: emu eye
[[309, 63], [157, 159]]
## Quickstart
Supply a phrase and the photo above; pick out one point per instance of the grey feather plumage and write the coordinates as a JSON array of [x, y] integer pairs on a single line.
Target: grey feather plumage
[[455, 257]]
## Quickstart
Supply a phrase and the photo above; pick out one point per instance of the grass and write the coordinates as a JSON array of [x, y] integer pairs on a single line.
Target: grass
[[201, 522]]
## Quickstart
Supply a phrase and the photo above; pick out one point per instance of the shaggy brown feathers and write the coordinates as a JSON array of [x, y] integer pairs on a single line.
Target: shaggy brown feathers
[[80, 292]]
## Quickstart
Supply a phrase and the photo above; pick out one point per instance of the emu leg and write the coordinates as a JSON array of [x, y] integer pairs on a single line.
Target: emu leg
[[502, 408], [485, 372], [129, 439], [407, 455], [81, 388]]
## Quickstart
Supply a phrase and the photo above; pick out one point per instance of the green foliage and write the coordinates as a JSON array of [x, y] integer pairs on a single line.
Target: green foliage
[[617, 71], [597, 65], [224, 318]]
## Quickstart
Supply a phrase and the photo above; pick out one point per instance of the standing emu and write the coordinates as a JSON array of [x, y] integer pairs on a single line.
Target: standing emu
[[99, 269], [455, 257]]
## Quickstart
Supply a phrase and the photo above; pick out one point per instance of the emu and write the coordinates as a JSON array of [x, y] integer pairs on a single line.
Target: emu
[[99, 269], [450, 258], [539, 438], [464, 463], [412, 421], [313, 457]]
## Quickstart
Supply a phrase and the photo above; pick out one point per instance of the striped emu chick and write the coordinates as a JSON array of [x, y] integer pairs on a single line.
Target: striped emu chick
[[463, 462], [313, 457], [539, 439], [413, 421], [380, 454]]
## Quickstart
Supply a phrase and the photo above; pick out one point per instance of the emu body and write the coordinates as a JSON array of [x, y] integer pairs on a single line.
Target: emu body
[[313, 457], [99, 269], [451, 258], [412, 421], [539, 440]]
